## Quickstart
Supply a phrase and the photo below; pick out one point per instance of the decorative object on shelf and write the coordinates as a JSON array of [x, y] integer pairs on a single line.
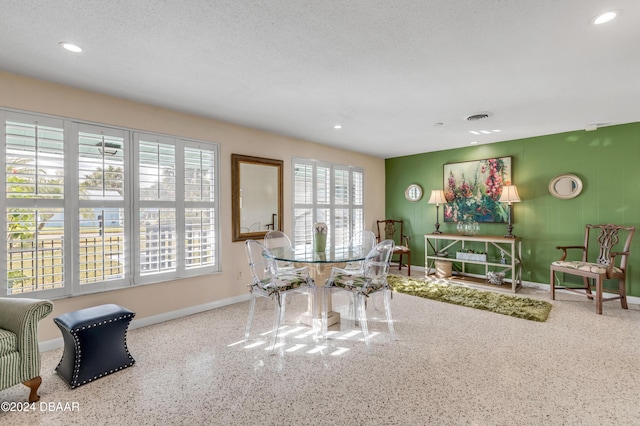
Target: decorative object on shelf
[[495, 278], [510, 196], [468, 226], [471, 255], [320, 237], [565, 186], [474, 187], [437, 198], [442, 254], [413, 193]]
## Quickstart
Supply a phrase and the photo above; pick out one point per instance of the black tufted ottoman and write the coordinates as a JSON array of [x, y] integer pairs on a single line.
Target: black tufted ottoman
[[95, 343]]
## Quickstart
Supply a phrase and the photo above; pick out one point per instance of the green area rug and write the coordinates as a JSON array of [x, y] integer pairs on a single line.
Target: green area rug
[[441, 290]]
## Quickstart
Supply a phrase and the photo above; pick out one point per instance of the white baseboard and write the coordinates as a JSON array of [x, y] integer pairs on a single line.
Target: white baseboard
[[634, 300], [52, 344]]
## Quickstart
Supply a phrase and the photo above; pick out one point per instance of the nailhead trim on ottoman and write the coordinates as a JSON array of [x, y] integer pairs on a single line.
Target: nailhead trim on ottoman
[[95, 343]]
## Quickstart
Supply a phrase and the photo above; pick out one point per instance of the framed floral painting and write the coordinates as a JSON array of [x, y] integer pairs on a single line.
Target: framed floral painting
[[473, 188]]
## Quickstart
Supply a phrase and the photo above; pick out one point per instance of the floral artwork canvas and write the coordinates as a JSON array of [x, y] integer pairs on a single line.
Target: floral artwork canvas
[[473, 188]]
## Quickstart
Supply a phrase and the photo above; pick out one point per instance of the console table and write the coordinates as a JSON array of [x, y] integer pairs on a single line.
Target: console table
[[502, 254]]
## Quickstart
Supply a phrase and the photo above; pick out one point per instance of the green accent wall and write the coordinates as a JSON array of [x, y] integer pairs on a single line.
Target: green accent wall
[[607, 161]]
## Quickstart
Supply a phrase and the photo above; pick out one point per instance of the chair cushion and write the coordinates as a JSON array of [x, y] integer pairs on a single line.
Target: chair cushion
[[283, 282], [595, 268], [403, 249], [357, 283], [8, 342]]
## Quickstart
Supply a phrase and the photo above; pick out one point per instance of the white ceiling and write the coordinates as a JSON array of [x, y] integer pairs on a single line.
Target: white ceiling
[[387, 70]]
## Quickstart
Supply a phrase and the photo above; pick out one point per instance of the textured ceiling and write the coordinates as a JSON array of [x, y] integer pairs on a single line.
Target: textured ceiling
[[388, 71]]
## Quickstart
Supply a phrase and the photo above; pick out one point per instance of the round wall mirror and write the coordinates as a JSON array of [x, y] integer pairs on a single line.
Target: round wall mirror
[[565, 186], [413, 192]]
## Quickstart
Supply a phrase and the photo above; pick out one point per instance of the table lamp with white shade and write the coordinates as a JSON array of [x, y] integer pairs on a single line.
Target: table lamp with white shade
[[437, 198], [510, 196]]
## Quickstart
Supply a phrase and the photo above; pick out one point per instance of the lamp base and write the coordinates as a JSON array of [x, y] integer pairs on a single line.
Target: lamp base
[[437, 231], [437, 224], [510, 234]]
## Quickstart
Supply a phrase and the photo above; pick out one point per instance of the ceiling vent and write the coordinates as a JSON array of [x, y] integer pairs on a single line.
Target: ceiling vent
[[478, 116]]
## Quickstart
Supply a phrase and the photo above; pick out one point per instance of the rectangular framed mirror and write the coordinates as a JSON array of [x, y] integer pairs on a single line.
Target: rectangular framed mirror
[[256, 196]]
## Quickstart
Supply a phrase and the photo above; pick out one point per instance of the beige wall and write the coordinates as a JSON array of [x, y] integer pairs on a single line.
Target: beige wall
[[22, 93]]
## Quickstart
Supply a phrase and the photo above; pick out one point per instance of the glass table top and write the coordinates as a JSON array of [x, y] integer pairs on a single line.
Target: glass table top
[[331, 255]]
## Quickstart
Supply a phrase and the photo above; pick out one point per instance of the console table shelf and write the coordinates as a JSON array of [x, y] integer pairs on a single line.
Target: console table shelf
[[447, 245]]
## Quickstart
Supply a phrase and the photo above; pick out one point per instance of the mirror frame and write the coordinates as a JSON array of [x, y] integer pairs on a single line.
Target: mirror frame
[[576, 181], [409, 192], [236, 161]]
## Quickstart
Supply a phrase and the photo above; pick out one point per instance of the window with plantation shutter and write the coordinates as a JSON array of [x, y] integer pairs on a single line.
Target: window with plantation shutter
[[90, 208], [357, 197], [176, 198], [329, 193], [103, 199], [33, 207], [199, 203], [157, 232], [303, 200]]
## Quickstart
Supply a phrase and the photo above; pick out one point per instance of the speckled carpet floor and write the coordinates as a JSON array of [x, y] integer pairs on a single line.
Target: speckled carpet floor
[[451, 365]]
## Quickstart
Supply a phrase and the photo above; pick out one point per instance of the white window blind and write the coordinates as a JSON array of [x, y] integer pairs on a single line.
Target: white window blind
[[177, 204], [329, 193], [157, 200], [102, 202], [89, 208], [199, 196], [33, 219]]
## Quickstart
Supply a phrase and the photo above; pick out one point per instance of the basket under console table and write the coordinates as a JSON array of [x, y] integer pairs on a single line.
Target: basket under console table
[[479, 255]]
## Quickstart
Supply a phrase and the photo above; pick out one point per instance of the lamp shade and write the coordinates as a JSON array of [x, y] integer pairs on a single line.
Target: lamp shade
[[509, 194], [437, 197]]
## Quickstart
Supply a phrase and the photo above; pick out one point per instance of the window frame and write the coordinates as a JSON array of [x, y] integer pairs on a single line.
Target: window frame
[[78, 204], [131, 205], [331, 205]]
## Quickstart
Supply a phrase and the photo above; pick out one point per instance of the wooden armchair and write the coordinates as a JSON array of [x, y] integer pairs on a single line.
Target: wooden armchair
[[604, 267], [391, 229]]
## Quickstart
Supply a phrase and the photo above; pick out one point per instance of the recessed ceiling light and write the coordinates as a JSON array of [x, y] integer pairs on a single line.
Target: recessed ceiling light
[[473, 142], [484, 132], [605, 17], [338, 126], [70, 47]]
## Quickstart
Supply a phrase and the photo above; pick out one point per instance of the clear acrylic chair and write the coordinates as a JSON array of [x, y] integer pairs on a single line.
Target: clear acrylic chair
[[362, 283], [279, 243], [361, 242], [271, 282]]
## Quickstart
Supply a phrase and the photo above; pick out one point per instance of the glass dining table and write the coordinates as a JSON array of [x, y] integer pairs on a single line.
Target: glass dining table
[[320, 266]]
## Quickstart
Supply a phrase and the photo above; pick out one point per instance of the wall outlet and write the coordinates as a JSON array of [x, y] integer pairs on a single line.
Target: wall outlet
[[239, 275]]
